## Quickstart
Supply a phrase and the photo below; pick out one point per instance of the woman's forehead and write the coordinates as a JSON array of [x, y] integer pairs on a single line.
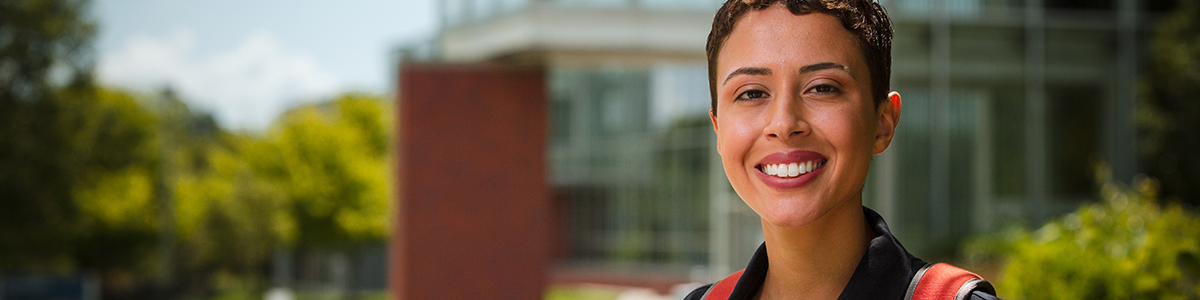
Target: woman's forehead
[[775, 38]]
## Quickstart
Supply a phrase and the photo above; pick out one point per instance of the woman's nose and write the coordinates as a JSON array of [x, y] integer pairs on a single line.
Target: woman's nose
[[786, 120]]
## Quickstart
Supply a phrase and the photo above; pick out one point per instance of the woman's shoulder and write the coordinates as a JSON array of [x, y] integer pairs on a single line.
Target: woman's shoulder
[[698, 293], [981, 295]]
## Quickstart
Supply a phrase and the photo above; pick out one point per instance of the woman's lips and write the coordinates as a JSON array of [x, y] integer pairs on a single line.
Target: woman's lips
[[790, 170], [787, 170]]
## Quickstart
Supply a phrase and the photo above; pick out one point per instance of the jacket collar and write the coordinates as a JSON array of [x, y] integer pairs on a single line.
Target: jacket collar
[[883, 273]]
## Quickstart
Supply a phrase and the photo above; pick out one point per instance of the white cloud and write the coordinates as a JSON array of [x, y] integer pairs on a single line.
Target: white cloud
[[245, 87]]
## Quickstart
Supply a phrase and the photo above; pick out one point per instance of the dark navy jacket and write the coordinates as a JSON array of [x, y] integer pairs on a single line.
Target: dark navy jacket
[[883, 273]]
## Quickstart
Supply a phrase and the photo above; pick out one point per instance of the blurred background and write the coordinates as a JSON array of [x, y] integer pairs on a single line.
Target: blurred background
[[229, 150]]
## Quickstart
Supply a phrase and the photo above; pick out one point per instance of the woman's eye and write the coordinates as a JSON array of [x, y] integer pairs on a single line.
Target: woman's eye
[[825, 89], [751, 95]]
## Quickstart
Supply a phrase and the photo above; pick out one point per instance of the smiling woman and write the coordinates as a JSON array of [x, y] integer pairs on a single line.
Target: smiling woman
[[802, 109]]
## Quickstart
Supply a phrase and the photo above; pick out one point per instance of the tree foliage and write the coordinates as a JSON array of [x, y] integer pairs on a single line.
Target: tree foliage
[[332, 161], [114, 184], [317, 179], [76, 161], [128, 185], [44, 90], [43, 42], [227, 215], [1128, 246]]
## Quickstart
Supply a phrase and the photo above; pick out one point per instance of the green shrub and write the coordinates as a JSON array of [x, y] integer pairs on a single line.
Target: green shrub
[[1126, 246]]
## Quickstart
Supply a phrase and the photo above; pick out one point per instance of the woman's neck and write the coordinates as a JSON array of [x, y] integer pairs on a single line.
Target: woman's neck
[[817, 260]]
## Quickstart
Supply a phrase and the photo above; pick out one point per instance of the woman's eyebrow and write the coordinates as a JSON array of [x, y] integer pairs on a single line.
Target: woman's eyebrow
[[824, 65], [748, 71]]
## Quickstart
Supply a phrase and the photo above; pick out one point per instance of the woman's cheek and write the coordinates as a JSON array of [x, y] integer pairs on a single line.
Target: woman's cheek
[[739, 136]]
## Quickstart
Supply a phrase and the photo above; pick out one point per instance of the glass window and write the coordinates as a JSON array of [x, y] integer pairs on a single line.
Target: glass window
[[631, 192], [1008, 154], [912, 183], [1074, 138]]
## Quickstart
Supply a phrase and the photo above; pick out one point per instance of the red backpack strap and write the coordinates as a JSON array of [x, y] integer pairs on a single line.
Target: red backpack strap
[[944, 282], [722, 289]]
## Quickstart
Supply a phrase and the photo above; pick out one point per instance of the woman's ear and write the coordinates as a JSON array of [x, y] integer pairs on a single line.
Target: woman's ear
[[713, 117], [889, 117]]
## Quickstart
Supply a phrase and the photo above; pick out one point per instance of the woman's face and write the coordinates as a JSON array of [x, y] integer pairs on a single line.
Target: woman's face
[[795, 123]]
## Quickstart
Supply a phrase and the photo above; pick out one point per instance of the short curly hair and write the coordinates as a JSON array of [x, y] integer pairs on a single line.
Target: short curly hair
[[865, 19]]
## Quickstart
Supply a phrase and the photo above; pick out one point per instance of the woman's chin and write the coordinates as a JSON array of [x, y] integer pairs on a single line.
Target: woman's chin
[[796, 213], [791, 217]]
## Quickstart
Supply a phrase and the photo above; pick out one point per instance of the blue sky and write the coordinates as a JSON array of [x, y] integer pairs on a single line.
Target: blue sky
[[247, 61]]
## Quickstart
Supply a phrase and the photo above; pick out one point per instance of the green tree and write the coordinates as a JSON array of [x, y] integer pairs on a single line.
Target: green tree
[[1168, 114], [332, 160], [45, 65], [229, 216], [115, 185], [315, 182]]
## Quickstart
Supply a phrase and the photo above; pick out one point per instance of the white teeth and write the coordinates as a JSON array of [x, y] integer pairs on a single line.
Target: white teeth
[[792, 169]]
